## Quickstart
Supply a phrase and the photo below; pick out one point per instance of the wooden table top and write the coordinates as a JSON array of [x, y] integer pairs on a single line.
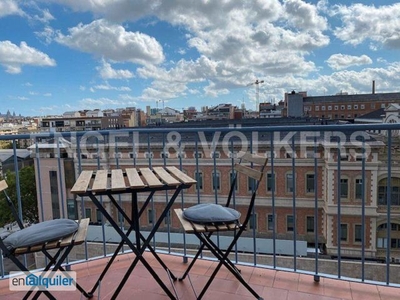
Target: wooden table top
[[130, 179]]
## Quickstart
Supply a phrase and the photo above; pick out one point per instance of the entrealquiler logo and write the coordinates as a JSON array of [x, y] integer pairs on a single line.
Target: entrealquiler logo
[[43, 281]]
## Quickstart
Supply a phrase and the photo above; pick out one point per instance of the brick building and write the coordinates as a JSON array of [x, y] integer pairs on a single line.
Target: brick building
[[341, 106], [303, 178]]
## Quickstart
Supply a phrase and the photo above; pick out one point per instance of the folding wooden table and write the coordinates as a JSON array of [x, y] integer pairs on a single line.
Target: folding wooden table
[[94, 184]]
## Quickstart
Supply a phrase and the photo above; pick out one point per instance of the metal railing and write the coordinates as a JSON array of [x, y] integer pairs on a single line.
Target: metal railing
[[330, 193]]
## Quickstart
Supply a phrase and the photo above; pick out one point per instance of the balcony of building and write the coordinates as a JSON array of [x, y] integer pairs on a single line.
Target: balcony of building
[[269, 283], [327, 210]]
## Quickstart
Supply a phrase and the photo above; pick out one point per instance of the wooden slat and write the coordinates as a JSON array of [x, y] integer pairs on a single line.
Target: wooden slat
[[66, 240], [187, 226], [166, 177], [100, 181], [134, 179], [257, 175], [80, 235], [259, 160], [117, 180], [78, 238], [191, 227], [151, 179], [19, 251], [82, 183], [3, 185], [180, 175]]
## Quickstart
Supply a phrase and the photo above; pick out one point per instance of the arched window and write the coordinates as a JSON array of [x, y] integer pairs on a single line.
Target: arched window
[[383, 191]]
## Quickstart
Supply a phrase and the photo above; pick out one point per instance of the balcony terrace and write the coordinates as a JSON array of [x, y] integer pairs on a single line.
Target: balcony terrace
[[328, 209], [271, 284]]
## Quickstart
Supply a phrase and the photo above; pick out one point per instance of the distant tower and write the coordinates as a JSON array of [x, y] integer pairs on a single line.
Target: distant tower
[[257, 83]]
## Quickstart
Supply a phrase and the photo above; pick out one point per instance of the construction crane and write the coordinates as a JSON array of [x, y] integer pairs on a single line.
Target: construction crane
[[257, 83]]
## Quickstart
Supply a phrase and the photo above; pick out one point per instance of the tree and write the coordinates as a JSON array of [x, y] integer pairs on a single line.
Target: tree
[[28, 196]]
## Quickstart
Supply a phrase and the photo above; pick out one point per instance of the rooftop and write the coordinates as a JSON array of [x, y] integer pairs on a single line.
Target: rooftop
[[271, 284]]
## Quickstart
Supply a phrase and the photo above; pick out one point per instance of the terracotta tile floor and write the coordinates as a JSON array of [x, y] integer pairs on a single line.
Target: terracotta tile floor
[[269, 284]]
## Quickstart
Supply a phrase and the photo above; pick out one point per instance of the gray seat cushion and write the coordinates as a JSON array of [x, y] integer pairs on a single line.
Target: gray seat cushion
[[40, 233], [211, 213]]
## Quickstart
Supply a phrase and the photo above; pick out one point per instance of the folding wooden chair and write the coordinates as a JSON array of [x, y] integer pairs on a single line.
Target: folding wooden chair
[[60, 235], [206, 219]]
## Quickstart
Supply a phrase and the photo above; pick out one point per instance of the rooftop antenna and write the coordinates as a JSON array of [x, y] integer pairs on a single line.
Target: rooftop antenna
[[257, 83]]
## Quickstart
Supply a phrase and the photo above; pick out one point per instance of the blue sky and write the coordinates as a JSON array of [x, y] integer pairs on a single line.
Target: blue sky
[[65, 55]]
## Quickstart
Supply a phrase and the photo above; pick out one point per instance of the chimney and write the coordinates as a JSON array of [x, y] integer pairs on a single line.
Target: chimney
[[373, 87]]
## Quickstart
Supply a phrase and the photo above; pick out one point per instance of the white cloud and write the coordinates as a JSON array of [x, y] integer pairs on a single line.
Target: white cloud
[[113, 42], [47, 34], [103, 102], [100, 102], [341, 61], [362, 22], [13, 57], [107, 72], [304, 16], [108, 87], [9, 7]]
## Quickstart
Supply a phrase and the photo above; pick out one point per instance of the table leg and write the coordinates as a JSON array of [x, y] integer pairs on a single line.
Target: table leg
[[138, 253]]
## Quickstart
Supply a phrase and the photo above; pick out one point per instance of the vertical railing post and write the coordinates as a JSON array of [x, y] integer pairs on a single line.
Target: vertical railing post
[[388, 205], [339, 193], [316, 228], [294, 203]]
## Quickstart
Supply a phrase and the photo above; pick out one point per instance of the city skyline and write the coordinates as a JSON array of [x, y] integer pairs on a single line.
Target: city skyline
[[64, 55]]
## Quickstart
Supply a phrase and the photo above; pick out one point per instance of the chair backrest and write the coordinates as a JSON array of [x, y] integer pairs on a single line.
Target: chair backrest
[[3, 187], [253, 166]]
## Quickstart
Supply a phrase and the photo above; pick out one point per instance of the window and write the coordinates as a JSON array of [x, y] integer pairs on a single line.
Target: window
[[329, 107], [231, 177], [310, 180], [270, 182], [317, 108], [358, 233], [215, 154], [150, 216], [71, 209], [289, 223], [336, 107], [372, 105], [55, 204], [253, 221], [310, 224], [251, 184], [349, 106], [383, 191], [323, 107], [121, 216], [216, 181], [88, 213], [98, 216], [199, 179], [342, 107], [270, 222], [358, 188], [343, 232], [164, 155], [362, 106], [355, 106], [198, 155], [167, 219], [148, 155], [133, 155], [181, 154], [383, 105], [289, 183], [344, 188]]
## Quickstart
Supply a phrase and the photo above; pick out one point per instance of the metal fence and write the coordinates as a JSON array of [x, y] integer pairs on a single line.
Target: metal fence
[[348, 176]]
